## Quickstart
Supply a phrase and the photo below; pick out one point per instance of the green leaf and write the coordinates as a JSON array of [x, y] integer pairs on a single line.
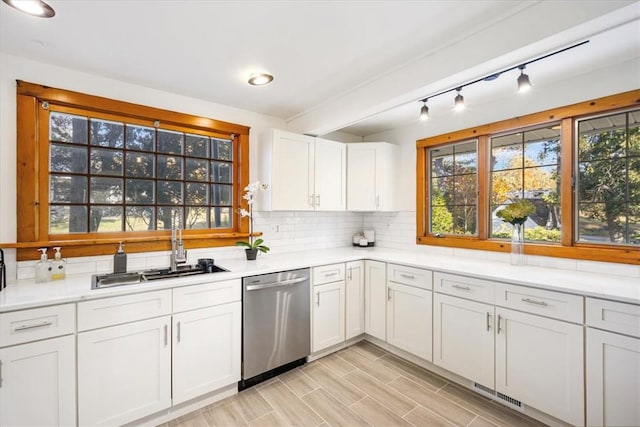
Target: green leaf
[[258, 242], [245, 244]]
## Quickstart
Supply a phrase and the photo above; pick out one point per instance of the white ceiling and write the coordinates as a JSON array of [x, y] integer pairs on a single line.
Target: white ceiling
[[323, 54]]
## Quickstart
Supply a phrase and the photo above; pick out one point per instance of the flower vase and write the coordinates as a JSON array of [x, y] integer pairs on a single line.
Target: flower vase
[[252, 254], [517, 244]]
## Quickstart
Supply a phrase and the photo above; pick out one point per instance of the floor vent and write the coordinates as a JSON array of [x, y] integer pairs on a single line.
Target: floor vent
[[499, 397], [510, 401]]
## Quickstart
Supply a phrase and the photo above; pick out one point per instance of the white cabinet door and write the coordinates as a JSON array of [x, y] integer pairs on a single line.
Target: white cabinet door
[[287, 167], [463, 338], [328, 315], [372, 176], [38, 383], [540, 362], [613, 379], [409, 319], [206, 350], [354, 298], [330, 183], [124, 372], [375, 297]]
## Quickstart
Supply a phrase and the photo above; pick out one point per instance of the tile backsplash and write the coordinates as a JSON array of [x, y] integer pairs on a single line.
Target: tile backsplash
[[298, 231]]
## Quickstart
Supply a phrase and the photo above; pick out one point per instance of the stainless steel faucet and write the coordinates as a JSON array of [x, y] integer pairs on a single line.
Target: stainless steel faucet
[[178, 254]]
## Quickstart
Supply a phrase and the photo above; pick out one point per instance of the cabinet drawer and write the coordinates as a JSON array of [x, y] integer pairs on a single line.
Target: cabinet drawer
[[39, 323], [614, 316], [417, 277], [464, 287], [328, 274], [128, 308], [538, 301], [207, 295]]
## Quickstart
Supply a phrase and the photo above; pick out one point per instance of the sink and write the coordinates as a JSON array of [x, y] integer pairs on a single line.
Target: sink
[[100, 281], [181, 271]]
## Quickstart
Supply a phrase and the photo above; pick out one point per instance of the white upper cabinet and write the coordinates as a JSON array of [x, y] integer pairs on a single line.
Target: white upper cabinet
[[303, 173], [372, 176]]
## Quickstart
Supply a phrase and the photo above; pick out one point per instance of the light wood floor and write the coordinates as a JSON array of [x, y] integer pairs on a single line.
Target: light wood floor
[[360, 386]]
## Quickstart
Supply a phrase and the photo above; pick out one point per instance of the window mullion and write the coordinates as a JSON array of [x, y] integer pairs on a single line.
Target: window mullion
[[568, 168], [484, 160]]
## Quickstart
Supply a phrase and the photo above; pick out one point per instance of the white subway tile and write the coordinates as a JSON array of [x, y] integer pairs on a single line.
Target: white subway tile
[[625, 270]]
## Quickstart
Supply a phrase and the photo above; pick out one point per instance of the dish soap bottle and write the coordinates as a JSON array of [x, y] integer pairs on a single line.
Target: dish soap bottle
[[58, 272], [120, 260], [43, 267]]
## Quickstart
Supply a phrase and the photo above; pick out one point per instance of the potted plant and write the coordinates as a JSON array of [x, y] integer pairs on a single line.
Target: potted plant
[[252, 246], [516, 214]]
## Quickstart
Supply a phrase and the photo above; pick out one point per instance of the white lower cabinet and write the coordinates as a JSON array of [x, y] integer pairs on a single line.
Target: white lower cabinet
[[540, 362], [613, 363], [38, 383], [375, 296], [124, 372], [328, 315], [206, 350], [409, 319], [463, 340], [354, 299]]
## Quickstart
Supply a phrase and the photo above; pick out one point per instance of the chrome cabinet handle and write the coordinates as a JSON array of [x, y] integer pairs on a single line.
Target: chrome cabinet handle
[[318, 299], [166, 335], [0, 373], [389, 294], [318, 200], [311, 201], [178, 332], [377, 201], [532, 301], [408, 276], [488, 321], [35, 325], [499, 321], [462, 288], [335, 273], [350, 273]]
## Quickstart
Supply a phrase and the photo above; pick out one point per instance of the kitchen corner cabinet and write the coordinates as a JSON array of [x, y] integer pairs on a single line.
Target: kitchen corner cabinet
[[375, 291], [354, 299], [328, 309], [303, 173], [613, 363], [38, 367], [372, 176]]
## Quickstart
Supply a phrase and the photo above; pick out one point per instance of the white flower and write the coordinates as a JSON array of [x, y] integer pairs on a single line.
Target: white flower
[[244, 213]]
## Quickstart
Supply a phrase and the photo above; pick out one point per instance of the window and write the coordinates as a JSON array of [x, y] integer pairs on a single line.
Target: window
[[112, 171], [609, 179], [526, 165], [454, 188], [579, 165]]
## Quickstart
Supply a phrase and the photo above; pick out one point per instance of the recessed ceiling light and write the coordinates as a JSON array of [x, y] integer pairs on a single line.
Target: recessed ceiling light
[[260, 79], [32, 7]]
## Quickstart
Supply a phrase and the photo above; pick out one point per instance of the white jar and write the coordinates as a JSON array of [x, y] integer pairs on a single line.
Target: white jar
[[363, 242]]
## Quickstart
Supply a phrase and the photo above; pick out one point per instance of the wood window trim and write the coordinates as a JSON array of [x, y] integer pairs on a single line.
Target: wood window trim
[[566, 248], [32, 177]]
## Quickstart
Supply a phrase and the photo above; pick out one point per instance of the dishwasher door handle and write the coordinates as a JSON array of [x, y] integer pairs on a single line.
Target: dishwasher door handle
[[276, 284]]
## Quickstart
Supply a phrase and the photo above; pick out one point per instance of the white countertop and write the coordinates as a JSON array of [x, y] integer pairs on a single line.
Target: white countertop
[[28, 294]]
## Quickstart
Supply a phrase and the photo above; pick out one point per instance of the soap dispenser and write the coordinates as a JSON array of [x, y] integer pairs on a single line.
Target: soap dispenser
[[120, 260], [43, 267], [58, 266]]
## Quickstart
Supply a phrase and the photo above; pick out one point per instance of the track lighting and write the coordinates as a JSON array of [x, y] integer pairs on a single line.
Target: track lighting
[[524, 84], [424, 111], [459, 101], [523, 81]]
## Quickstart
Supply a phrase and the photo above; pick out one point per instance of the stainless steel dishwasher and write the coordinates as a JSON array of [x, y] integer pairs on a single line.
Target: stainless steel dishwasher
[[276, 325]]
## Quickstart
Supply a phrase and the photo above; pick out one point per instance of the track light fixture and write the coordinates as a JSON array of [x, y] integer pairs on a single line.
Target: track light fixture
[[458, 101], [524, 84], [424, 111]]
